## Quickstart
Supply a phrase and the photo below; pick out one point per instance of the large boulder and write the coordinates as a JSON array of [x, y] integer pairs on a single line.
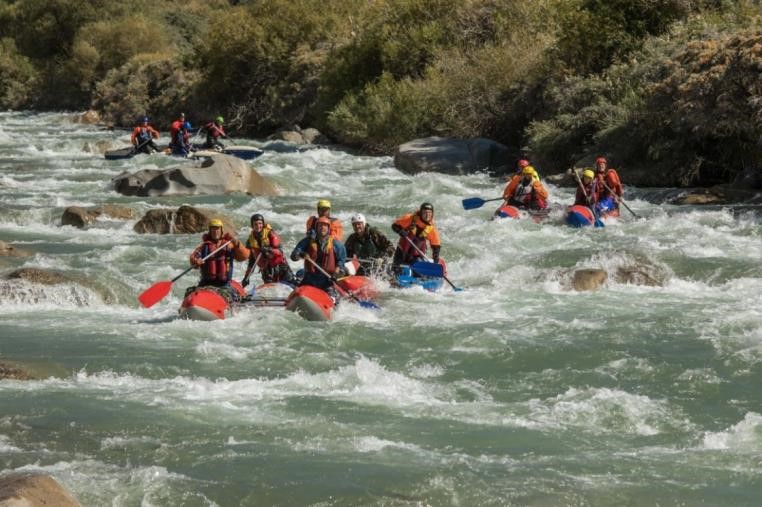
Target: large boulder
[[90, 117], [452, 156], [183, 220], [33, 490], [210, 175], [82, 217], [589, 279], [8, 250], [300, 136]]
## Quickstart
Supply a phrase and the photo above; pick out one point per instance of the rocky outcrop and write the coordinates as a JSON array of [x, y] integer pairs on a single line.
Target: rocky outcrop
[[10, 371], [452, 156], [183, 220], [82, 217], [90, 117], [589, 279], [82, 290], [101, 147], [8, 250], [210, 175], [300, 136], [33, 490], [719, 195]]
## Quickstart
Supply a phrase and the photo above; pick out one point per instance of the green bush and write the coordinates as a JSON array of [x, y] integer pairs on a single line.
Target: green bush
[[18, 78], [147, 84]]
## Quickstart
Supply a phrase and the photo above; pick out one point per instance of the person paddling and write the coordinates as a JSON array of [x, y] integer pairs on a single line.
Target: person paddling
[[417, 228], [142, 137], [324, 210], [324, 250], [521, 164], [587, 190], [217, 271], [175, 127], [214, 131], [524, 191], [367, 244], [607, 177], [265, 252], [181, 141]]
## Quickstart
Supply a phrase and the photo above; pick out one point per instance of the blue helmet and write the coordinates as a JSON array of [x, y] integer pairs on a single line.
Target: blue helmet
[[144, 119], [187, 125]]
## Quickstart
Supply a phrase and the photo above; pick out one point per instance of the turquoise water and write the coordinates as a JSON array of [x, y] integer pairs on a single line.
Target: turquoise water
[[516, 391]]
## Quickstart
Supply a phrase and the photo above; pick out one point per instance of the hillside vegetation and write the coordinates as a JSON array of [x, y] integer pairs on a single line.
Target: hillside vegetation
[[668, 87]]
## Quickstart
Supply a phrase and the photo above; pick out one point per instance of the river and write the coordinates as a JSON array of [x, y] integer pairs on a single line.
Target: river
[[516, 391]]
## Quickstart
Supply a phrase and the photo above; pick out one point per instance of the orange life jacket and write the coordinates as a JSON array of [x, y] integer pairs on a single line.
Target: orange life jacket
[[325, 258], [336, 230]]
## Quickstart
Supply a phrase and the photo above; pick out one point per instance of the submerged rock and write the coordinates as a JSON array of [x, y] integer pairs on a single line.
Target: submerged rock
[[452, 156], [100, 147], [34, 490], [213, 174], [8, 370], [183, 220], [589, 279], [82, 217], [31, 285], [8, 250]]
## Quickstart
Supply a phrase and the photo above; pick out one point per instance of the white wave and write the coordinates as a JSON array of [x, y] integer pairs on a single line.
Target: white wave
[[22, 294], [6, 445], [745, 436]]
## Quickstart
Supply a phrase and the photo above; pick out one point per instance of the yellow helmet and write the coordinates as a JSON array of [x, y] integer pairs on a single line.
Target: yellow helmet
[[323, 203], [215, 222], [528, 171], [587, 173]]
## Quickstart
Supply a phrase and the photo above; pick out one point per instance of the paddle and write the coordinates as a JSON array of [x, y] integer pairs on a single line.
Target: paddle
[[341, 290], [432, 269], [456, 289], [136, 149], [249, 269], [477, 202], [598, 222], [619, 200], [159, 290]]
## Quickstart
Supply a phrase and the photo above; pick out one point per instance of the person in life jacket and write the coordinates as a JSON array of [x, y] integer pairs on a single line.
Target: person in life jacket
[[174, 127], [521, 164], [142, 137], [608, 198], [324, 210], [218, 269], [181, 141], [367, 243], [265, 252], [214, 130], [523, 191], [326, 251], [587, 190], [419, 229]]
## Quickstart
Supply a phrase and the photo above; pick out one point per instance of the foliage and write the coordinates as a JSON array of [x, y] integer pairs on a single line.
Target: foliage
[[147, 84], [596, 33], [17, 77]]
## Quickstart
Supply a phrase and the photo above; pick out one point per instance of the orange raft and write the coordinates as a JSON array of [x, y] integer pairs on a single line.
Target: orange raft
[[317, 305]]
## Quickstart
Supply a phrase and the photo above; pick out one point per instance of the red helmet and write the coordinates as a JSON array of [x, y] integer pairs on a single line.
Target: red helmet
[[601, 159], [324, 220], [523, 163]]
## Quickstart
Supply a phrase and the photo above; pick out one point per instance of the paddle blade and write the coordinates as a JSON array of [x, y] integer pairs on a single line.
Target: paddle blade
[[473, 203], [428, 269], [155, 293], [368, 304], [599, 223]]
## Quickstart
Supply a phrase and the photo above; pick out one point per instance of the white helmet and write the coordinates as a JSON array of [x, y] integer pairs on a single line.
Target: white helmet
[[358, 217]]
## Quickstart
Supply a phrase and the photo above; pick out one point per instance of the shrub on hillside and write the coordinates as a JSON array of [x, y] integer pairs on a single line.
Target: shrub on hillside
[[18, 78], [147, 84]]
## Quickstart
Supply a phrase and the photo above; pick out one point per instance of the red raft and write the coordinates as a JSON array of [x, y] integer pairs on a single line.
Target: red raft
[[582, 216], [508, 211], [315, 304], [208, 303]]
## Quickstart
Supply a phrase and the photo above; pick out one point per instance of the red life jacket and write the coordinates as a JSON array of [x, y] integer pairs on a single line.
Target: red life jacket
[[326, 258], [219, 267]]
